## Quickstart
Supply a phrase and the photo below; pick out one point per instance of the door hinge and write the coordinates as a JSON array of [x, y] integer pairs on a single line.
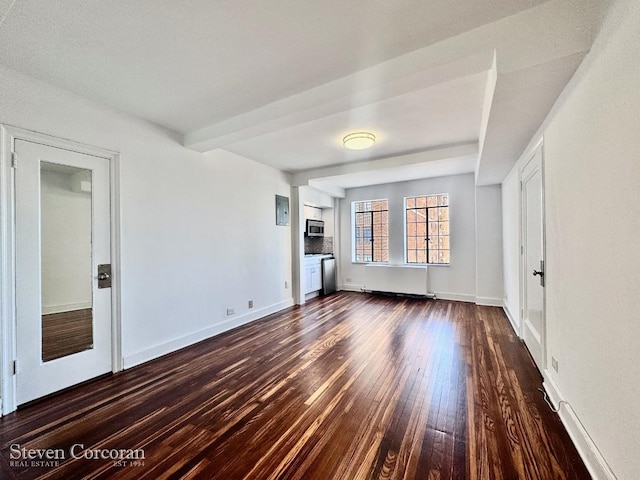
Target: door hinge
[[14, 160], [15, 367], [520, 186], [521, 249]]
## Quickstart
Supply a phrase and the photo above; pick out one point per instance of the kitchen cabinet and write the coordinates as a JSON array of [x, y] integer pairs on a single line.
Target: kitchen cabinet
[[313, 273], [312, 213], [314, 278]]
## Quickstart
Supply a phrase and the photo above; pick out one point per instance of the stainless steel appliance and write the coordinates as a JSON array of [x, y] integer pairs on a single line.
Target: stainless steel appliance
[[328, 275], [315, 228]]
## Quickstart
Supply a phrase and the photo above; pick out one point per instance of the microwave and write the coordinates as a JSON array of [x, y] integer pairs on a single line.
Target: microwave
[[315, 228]]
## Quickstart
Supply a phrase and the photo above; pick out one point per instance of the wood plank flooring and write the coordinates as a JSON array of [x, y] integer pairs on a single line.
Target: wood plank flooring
[[66, 333], [350, 386]]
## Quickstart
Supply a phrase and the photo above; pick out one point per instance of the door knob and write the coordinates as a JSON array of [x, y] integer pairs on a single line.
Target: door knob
[[540, 273], [104, 276]]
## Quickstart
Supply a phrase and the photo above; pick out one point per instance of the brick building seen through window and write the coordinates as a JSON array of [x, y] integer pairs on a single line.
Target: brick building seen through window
[[371, 231], [427, 229]]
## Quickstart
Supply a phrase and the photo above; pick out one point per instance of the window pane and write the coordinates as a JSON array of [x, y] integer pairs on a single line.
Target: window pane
[[427, 229], [380, 218], [371, 230]]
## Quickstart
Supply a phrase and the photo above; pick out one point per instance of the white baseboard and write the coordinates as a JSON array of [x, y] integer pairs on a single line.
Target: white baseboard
[[507, 312], [489, 301], [173, 345], [65, 308], [591, 456], [456, 297]]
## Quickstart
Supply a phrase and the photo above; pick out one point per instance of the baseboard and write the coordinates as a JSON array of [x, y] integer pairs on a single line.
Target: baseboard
[[489, 301], [514, 325], [168, 347], [65, 308], [591, 456], [456, 297]]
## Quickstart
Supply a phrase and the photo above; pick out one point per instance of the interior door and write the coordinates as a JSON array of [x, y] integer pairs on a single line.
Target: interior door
[[63, 315], [533, 261]]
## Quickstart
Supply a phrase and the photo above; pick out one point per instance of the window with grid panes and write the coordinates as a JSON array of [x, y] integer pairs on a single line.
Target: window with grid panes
[[427, 226], [371, 231]]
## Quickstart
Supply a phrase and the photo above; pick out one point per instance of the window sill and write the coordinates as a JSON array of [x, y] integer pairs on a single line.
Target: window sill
[[430, 264], [404, 265], [382, 264]]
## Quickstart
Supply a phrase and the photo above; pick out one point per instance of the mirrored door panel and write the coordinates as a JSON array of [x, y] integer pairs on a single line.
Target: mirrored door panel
[[66, 256]]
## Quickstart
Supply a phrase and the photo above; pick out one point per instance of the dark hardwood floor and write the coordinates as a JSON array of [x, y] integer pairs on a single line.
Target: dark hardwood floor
[[66, 333], [350, 386]]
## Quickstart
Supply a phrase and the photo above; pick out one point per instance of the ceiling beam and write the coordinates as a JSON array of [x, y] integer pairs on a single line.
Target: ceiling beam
[[390, 79], [450, 152]]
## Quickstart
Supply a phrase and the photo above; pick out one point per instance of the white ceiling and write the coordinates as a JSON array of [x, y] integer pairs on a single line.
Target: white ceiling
[[282, 82], [443, 114]]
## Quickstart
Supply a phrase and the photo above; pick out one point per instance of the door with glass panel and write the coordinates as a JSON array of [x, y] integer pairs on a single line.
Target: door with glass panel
[[63, 299]]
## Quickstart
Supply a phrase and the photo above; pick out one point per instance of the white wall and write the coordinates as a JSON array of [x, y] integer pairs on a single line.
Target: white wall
[[489, 287], [592, 179], [456, 281], [511, 246], [65, 243], [592, 160], [198, 231], [328, 217]]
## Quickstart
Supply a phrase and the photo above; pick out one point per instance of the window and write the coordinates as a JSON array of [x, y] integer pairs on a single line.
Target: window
[[371, 231], [427, 229]]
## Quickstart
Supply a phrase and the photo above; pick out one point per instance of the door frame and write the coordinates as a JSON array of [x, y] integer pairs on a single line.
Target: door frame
[[531, 153], [8, 135]]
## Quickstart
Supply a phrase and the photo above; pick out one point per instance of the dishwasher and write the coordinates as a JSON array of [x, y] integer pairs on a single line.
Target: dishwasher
[[328, 275]]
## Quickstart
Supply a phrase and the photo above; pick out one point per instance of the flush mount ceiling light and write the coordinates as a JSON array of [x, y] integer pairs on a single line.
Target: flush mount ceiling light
[[359, 140]]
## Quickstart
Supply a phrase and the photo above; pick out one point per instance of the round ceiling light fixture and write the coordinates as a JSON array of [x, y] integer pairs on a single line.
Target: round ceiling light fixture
[[359, 140]]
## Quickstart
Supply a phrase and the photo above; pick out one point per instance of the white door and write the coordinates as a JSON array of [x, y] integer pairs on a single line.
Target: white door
[[533, 261], [62, 233]]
